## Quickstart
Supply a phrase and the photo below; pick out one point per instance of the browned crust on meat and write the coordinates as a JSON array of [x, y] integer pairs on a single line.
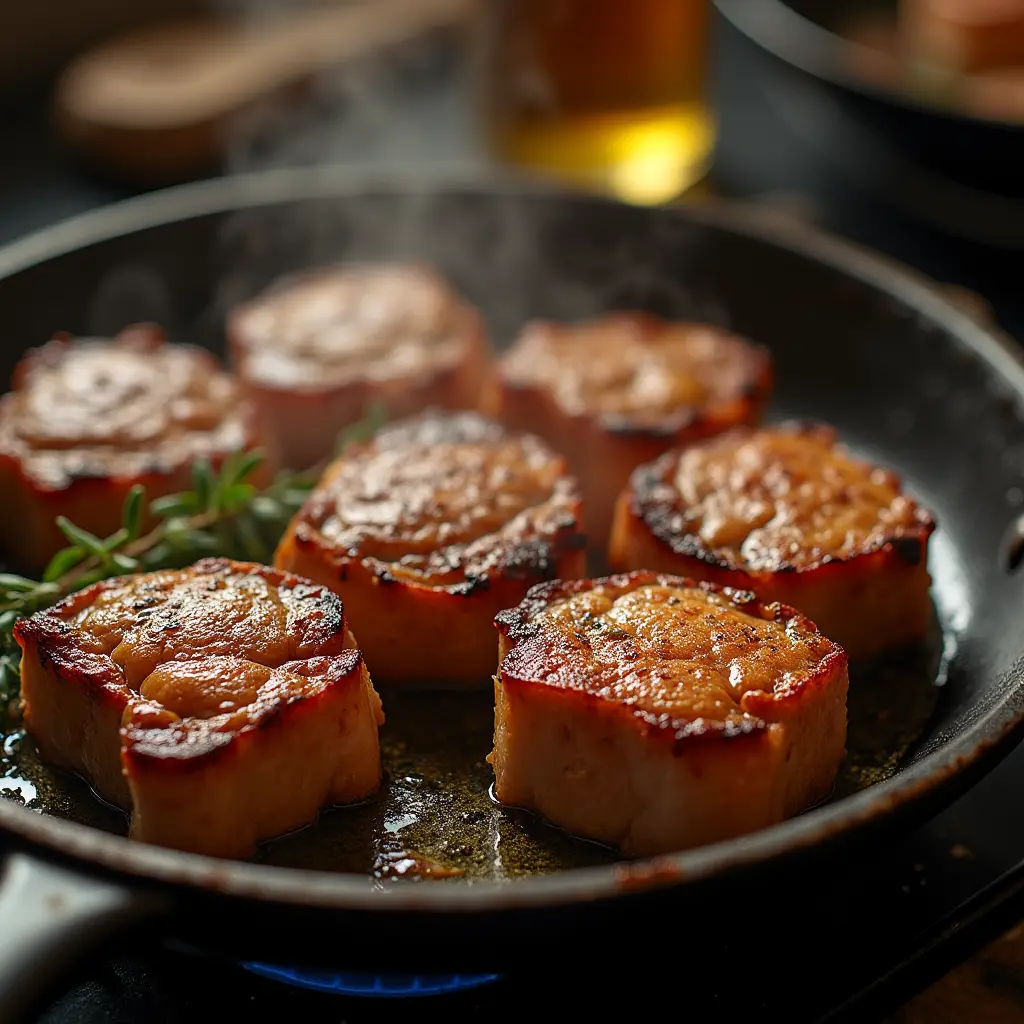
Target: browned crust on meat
[[463, 328], [82, 457], [653, 501], [614, 392], [429, 530], [408, 342], [191, 745], [519, 631], [533, 553], [81, 462], [727, 399], [315, 623]]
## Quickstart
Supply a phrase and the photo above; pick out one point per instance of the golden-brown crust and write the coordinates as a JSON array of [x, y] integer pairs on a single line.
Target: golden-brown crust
[[170, 723], [111, 637], [317, 348], [618, 390], [781, 499], [89, 418], [787, 513], [656, 713], [428, 530], [687, 659], [212, 674], [637, 373]]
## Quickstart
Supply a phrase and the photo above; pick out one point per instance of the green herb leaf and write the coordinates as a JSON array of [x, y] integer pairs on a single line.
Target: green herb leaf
[[131, 513], [45, 593], [62, 562], [82, 538], [241, 465], [124, 564], [173, 505], [8, 581], [203, 483], [235, 496], [252, 544], [265, 509], [115, 540]]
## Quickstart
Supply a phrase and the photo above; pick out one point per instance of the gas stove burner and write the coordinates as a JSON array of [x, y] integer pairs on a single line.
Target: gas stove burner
[[373, 986]]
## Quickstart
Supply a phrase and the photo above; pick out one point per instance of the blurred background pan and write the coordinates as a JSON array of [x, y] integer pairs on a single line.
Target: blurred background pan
[[826, 68]]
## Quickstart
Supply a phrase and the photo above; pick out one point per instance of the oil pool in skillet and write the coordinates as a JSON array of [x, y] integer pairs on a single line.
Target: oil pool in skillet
[[434, 819]]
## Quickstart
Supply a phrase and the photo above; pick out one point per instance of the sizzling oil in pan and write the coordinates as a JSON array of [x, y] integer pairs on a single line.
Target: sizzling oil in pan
[[434, 816]]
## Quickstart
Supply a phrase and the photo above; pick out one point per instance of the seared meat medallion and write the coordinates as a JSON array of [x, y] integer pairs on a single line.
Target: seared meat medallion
[[430, 529], [316, 349], [221, 704], [87, 418], [619, 390], [657, 714], [787, 513]]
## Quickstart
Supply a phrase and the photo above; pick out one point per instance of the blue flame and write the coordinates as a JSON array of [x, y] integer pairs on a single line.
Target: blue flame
[[373, 986]]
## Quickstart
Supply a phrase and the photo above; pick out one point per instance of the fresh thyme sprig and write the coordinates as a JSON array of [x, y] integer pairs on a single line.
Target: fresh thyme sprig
[[224, 513]]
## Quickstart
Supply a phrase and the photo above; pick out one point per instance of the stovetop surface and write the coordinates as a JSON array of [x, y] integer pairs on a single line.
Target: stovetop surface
[[846, 927]]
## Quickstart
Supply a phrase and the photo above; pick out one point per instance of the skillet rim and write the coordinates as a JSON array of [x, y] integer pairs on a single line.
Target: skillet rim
[[995, 732], [802, 43]]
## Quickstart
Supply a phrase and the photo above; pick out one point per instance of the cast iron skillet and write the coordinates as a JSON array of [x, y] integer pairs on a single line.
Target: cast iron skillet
[[951, 171], [907, 378]]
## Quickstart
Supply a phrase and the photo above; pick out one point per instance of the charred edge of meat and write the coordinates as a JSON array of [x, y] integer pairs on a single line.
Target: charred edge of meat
[[54, 637], [518, 623], [534, 558], [529, 558], [164, 746], [656, 504]]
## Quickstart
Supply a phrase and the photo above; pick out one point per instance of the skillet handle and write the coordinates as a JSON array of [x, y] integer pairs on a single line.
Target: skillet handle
[[50, 919]]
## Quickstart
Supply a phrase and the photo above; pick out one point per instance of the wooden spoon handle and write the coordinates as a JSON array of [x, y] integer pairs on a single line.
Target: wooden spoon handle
[[159, 100]]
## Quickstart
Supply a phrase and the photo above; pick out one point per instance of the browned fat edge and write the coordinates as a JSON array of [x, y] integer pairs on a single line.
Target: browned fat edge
[[175, 758], [54, 643], [542, 595], [518, 624], [654, 502], [696, 419], [327, 604], [53, 637]]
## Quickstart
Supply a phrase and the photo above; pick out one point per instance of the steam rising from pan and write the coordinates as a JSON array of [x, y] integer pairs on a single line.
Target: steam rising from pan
[[517, 256], [400, 103]]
